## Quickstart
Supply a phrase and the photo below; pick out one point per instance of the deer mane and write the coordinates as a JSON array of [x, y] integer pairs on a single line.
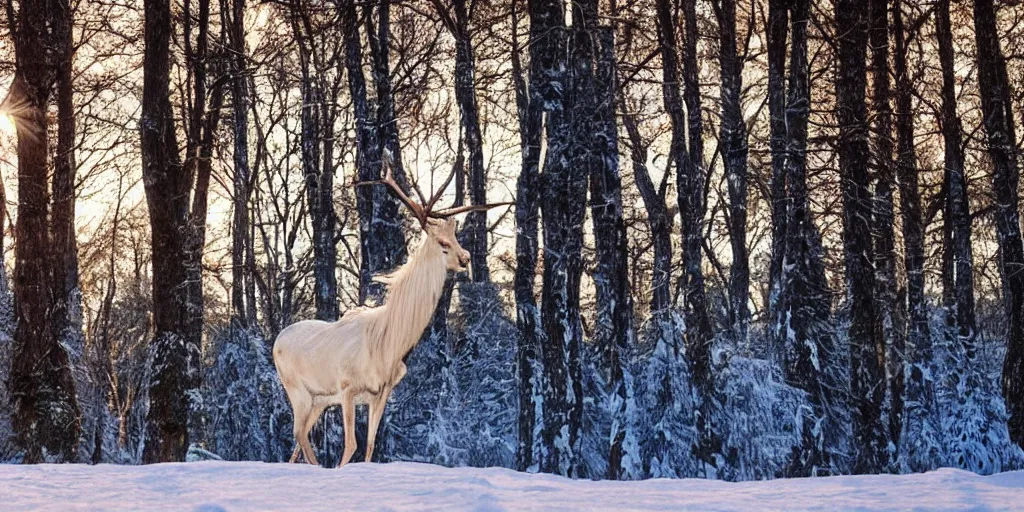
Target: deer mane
[[394, 328]]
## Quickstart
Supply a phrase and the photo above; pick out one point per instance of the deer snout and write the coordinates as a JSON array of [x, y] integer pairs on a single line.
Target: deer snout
[[464, 259]]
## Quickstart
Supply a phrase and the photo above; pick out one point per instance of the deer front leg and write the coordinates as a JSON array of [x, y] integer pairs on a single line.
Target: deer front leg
[[376, 411], [348, 412]]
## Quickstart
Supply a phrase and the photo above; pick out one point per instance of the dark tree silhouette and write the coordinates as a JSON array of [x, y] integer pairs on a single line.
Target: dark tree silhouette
[[46, 418]]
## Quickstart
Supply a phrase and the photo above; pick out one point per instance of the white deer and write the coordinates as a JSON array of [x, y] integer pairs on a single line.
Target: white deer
[[358, 359]]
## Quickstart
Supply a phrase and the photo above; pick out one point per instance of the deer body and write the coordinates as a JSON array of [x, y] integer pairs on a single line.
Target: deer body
[[358, 359]]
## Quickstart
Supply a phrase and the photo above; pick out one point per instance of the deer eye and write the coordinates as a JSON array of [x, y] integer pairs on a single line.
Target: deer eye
[[445, 245]]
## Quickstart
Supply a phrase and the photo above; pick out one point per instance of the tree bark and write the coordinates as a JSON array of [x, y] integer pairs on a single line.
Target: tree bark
[[320, 198], [563, 194], [475, 230], [242, 284], [65, 246], [46, 419], [803, 299], [919, 397], [733, 134], [174, 354], [611, 277], [893, 333], [691, 177], [690, 184], [778, 19], [957, 209], [997, 108], [867, 348], [527, 204], [382, 242]]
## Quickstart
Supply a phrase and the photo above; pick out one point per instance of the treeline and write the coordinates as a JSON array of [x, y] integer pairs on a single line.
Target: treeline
[[751, 238]]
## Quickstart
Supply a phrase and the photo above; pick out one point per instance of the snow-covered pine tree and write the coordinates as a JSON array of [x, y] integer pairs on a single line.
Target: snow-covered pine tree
[[666, 401], [247, 412], [757, 418], [970, 407]]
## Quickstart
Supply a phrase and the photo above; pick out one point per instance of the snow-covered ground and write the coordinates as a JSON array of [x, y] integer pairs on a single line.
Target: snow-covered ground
[[214, 486]]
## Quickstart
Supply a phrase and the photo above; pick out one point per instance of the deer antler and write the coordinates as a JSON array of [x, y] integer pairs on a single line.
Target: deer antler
[[424, 210], [448, 212], [389, 180]]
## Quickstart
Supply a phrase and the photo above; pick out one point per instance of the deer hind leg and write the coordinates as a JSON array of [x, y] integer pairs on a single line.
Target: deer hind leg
[[314, 415], [376, 410], [348, 411], [302, 404]]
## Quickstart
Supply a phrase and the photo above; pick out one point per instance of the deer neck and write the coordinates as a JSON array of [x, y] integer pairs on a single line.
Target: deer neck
[[412, 298]]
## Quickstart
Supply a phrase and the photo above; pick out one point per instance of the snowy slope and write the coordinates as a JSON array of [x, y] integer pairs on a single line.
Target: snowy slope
[[210, 486]]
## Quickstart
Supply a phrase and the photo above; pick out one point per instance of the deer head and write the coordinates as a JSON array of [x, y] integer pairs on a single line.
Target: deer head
[[438, 225]]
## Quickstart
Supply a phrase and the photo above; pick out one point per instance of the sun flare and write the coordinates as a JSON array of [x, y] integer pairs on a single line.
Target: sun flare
[[7, 124]]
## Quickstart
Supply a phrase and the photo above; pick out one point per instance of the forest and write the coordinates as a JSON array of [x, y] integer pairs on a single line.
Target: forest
[[745, 239]]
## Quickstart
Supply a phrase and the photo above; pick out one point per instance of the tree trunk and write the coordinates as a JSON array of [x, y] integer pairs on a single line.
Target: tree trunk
[[563, 194], [997, 107], [957, 214], [690, 184], [919, 397], [528, 320], [804, 298], [174, 355], [691, 177], [319, 188], [867, 348], [381, 240], [611, 277], [65, 246], [884, 217], [380, 45], [203, 119], [734, 153], [778, 19], [475, 230], [242, 286], [46, 419]]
